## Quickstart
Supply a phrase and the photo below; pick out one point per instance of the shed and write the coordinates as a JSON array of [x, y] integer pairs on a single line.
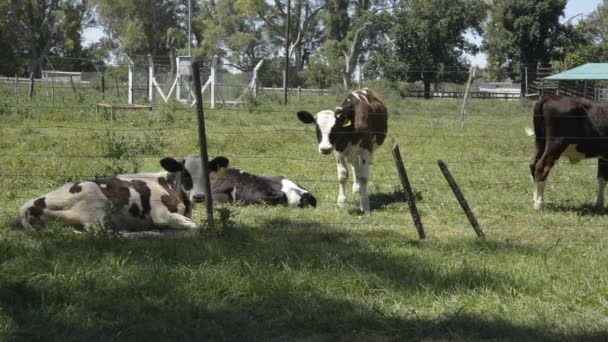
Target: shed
[[582, 81]]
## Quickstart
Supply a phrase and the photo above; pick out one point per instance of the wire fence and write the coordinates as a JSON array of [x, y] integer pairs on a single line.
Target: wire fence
[[14, 164]]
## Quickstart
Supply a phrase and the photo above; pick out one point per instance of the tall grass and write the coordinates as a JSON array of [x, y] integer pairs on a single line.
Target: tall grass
[[277, 273]]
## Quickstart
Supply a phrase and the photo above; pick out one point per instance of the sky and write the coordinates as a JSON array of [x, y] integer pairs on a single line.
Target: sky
[[573, 8]]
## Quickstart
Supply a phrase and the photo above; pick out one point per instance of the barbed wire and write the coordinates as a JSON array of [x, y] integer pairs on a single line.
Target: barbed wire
[[307, 130], [399, 202]]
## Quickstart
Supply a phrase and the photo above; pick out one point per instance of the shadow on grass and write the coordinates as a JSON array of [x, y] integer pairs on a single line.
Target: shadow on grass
[[380, 201], [586, 209], [278, 280]]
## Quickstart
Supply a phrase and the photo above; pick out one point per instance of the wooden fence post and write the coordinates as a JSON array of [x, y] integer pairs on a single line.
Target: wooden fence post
[[460, 198], [407, 189], [203, 141], [465, 101]]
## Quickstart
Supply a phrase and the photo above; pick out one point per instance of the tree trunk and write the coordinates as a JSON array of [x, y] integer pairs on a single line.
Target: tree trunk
[[347, 80], [427, 89], [33, 69], [172, 60]]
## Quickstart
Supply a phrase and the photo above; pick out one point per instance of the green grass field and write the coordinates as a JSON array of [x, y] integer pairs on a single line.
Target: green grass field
[[324, 274]]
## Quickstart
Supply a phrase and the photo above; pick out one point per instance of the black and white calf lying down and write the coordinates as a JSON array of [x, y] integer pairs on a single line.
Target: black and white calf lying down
[[145, 202], [353, 131]]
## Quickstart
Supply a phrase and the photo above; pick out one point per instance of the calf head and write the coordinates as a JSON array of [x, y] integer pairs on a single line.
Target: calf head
[[188, 174], [330, 125]]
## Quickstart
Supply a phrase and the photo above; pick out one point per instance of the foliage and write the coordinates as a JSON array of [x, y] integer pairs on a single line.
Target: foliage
[[141, 26], [588, 41], [522, 32], [34, 29], [426, 41]]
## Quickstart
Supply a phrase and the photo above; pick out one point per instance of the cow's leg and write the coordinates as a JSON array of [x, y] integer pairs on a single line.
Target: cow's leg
[[540, 148], [602, 177], [356, 172], [164, 218], [542, 169], [342, 178], [364, 161]]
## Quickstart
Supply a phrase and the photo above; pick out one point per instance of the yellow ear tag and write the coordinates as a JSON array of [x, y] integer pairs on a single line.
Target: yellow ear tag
[[221, 170], [346, 123]]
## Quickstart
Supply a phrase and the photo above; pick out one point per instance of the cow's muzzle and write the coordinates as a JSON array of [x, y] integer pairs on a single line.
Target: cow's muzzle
[[325, 150], [198, 198]]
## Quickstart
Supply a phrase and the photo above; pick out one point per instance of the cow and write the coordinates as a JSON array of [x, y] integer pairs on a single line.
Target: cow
[[135, 202], [353, 131], [157, 201], [576, 128], [229, 185]]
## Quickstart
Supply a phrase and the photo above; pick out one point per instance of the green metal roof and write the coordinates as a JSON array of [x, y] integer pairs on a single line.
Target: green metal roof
[[589, 71]]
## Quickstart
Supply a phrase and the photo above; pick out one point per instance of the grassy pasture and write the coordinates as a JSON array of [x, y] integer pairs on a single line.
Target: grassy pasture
[[275, 273]]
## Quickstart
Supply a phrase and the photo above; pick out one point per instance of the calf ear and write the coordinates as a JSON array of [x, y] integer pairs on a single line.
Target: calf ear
[[218, 163], [171, 164], [306, 117]]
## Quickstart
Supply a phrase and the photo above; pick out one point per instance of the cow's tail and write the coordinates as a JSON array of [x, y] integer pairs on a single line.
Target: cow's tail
[[539, 118]]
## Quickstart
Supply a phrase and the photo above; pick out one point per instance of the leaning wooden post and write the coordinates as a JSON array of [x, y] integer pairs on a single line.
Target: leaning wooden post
[[409, 196], [460, 198], [203, 141], [72, 83], [255, 78], [465, 101], [16, 85]]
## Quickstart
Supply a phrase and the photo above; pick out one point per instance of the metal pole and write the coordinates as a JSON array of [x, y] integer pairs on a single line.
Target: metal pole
[[203, 141], [286, 72], [189, 28], [150, 79]]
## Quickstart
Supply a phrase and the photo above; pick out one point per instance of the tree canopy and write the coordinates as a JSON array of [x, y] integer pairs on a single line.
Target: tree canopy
[[409, 40], [523, 33]]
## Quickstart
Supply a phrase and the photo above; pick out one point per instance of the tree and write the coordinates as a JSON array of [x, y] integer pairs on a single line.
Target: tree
[[588, 42], [427, 38], [141, 26], [226, 30], [306, 35], [348, 23], [42, 26], [521, 33]]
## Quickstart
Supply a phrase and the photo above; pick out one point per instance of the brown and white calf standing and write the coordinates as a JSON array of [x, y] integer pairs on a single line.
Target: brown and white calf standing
[[576, 128], [353, 131]]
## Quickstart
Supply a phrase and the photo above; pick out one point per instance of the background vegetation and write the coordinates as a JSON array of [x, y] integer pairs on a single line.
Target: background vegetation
[[413, 40]]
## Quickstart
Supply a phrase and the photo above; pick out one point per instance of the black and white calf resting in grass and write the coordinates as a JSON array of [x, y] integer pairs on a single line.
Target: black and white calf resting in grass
[[157, 201], [352, 131], [135, 202], [230, 185]]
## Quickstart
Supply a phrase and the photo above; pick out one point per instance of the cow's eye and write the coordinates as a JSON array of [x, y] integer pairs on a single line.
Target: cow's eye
[[186, 180]]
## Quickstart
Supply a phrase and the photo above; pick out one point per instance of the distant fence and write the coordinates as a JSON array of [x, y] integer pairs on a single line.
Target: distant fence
[[460, 95], [601, 94]]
